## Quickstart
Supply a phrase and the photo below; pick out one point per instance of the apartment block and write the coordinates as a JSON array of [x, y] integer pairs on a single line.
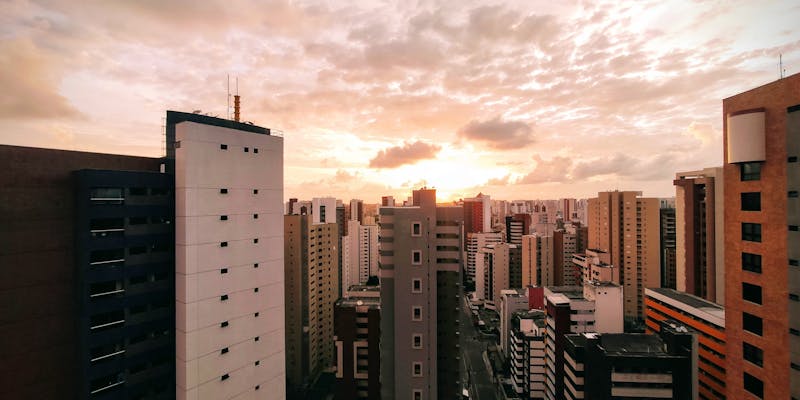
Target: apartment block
[[565, 245], [475, 242], [705, 318], [511, 301], [668, 249], [90, 239], [420, 276], [594, 266], [629, 365], [517, 225], [311, 276], [228, 258], [537, 260], [527, 354], [357, 320], [761, 140], [360, 253], [501, 270], [700, 233], [626, 226]]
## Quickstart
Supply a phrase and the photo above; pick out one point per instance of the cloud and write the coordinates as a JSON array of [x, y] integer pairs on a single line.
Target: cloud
[[498, 134], [30, 84], [501, 181], [407, 153], [702, 132], [556, 169]]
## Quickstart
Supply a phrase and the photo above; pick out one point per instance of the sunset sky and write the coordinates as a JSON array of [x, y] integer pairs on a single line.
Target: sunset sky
[[518, 99]]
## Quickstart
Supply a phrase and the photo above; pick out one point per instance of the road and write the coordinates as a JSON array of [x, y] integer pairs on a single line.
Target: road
[[480, 379]]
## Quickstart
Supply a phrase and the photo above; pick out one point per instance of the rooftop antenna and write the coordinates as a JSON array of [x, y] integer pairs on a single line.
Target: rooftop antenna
[[781, 69], [236, 102]]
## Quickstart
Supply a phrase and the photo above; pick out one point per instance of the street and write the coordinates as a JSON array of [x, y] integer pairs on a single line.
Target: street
[[475, 370]]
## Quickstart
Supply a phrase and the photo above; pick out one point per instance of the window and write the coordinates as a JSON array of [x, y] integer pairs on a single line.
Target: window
[[792, 159], [750, 171], [255, 265], [322, 214], [751, 201], [224, 377], [794, 297], [751, 232], [137, 250], [223, 217], [752, 323], [416, 257], [751, 293], [223, 244], [793, 228], [793, 193], [416, 286], [257, 363], [416, 369], [754, 385], [753, 354], [258, 387], [255, 241], [246, 149], [256, 315], [137, 220], [255, 150], [137, 191], [255, 191], [223, 351], [255, 216], [257, 338], [255, 290], [416, 229], [417, 394], [416, 313], [223, 271], [223, 297], [223, 324], [417, 341], [223, 147], [751, 262], [223, 191]]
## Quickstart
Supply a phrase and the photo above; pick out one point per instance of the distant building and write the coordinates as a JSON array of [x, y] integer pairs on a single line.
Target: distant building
[[357, 320], [626, 226], [387, 201], [311, 275], [705, 318], [630, 365], [668, 251], [700, 234], [517, 225], [498, 271], [761, 139], [357, 210], [594, 266], [537, 260], [527, 353], [420, 277], [360, 253], [477, 214], [323, 210], [475, 242], [511, 301]]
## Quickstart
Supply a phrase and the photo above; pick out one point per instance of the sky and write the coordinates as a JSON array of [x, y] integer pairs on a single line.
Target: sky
[[517, 99]]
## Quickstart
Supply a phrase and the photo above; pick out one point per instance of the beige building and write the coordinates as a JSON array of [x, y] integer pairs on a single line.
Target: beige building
[[311, 261], [626, 226], [537, 260]]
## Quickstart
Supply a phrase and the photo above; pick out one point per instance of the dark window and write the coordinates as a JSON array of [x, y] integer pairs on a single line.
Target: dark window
[[223, 191], [417, 341], [257, 364], [750, 171], [416, 257], [255, 216], [794, 297], [255, 150], [751, 232], [793, 228], [795, 367], [159, 191], [752, 323], [223, 324], [223, 297], [223, 244], [416, 229], [417, 285], [751, 201], [137, 220], [753, 354], [223, 217], [223, 147], [793, 262], [255, 191], [223, 351], [246, 149], [256, 314], [255, 265], [754, 385], [137, 250], [255, 240], [255, 290], [138, 191], [224, 377], [792, 159], [793, 193], [417, 313], [107, 256], [223, 271], [256, 338], [322, 214], [751, 262], [751, 293], [258, 387]]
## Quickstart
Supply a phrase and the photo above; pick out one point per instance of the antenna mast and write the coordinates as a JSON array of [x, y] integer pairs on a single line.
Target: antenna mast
[[236, 102]]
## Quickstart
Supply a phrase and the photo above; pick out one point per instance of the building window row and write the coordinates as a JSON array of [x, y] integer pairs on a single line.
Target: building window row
[[753, 354], [223, 146], [751, 262], [751, 232], [751, 293]]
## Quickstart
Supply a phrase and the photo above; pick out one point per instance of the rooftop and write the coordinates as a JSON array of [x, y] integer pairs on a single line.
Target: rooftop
[[632, 343], [372, 302], [691, 301]]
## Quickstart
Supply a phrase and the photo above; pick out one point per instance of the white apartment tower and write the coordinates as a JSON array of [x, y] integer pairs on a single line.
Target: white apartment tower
[[360, 253], [228, 261], [323, 210], [475, 242]]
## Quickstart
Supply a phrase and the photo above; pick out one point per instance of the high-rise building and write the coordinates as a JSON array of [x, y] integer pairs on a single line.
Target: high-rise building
[[630, 365], [595, 307], [387, 201], [420, 290], [312, 277], [87, 266], [565, 245], [594, 266], [499, 271], [360, 254], [475, 242], [228, 252], [537, 260], [341, 222], [357, 210], [477, 214], [323, 210], [357, 323], [526, 353], [705, 318], [668, 251], [511, 301], [626, 226], [761, 136], [517, 225], [700, 234]]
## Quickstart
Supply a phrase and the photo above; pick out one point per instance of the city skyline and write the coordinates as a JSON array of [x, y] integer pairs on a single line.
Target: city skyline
[[516, 100]]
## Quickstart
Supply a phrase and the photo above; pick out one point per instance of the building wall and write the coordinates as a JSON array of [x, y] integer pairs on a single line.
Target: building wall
[[777, 244], [475, 242], [249, 322], [357, 343], [323, 210], [537, 260], [37, 237]]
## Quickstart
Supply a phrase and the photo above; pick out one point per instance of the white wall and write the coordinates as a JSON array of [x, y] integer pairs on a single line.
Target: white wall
[[202, 169], [330, 210]]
